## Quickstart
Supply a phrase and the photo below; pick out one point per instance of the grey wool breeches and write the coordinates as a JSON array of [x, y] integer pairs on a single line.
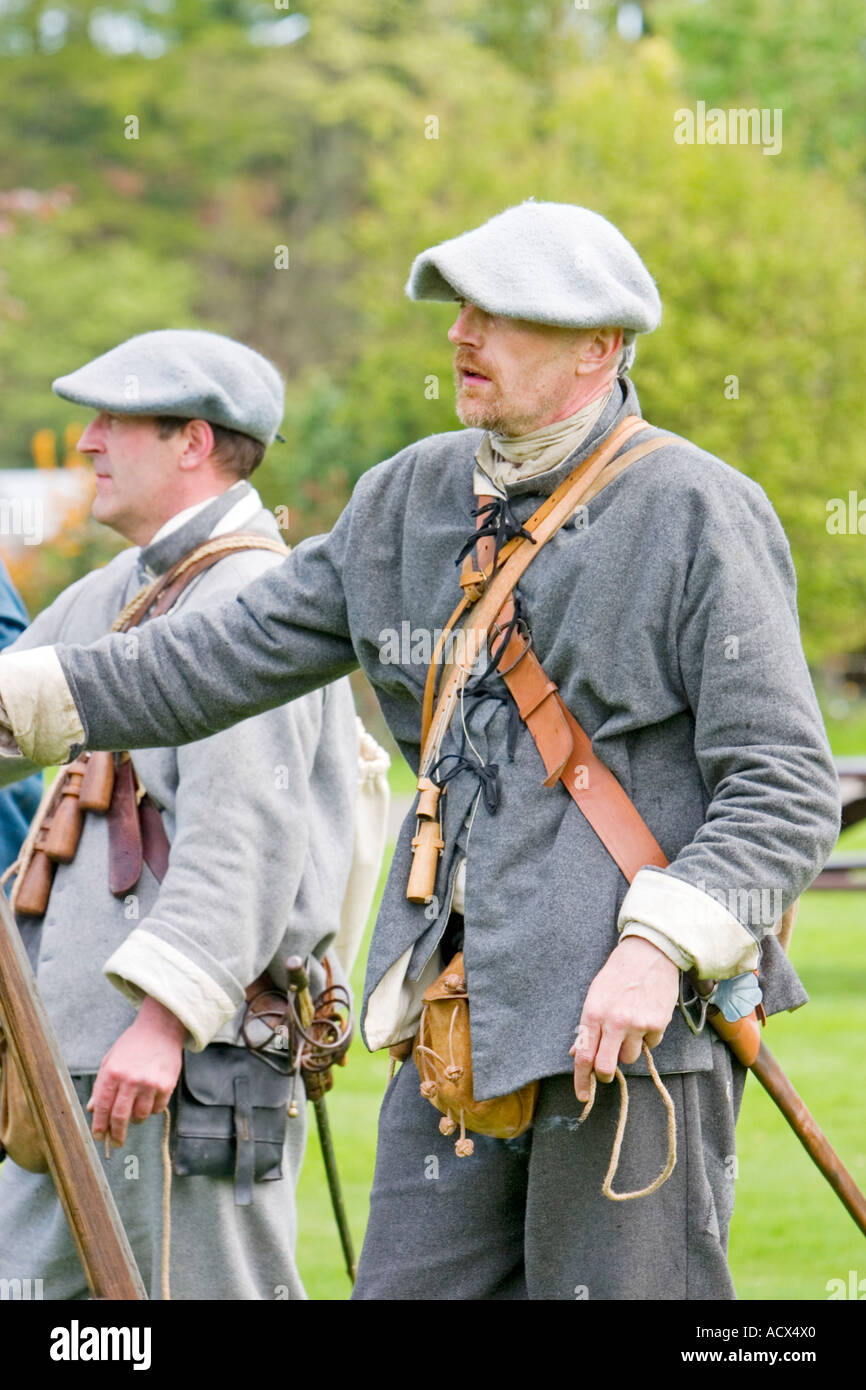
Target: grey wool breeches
[[218, 1250], [526, 1219]]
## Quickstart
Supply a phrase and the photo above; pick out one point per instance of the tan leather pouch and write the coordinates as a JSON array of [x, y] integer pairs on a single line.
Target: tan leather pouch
[[443, 1056], [19, 1135]]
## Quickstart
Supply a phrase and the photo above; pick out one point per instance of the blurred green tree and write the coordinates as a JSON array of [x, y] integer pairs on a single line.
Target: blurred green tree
[[805, 58], [279, 193]]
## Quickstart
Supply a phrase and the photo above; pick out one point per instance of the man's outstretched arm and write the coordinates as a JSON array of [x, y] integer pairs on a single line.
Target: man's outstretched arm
[[180, 678]]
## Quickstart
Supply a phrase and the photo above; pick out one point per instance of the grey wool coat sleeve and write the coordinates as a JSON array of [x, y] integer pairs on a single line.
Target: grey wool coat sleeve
[[282, 636], [755, 711]]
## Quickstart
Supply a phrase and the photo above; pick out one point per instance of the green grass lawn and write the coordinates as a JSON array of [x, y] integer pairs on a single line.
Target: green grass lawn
[[790, 1233]]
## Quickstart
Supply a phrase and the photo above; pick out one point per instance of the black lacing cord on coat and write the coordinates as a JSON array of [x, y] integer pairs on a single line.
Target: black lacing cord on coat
[[504, 637], [488, 776], [475, 692], [500, 523], [481, 691], [490, 686]]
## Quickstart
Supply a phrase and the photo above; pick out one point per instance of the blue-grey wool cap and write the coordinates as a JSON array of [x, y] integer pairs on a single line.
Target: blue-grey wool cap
[[186, 372], [546, 262]]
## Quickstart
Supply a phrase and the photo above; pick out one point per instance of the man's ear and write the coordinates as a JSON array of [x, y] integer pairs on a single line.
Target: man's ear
[[197, 443], [601, 348]]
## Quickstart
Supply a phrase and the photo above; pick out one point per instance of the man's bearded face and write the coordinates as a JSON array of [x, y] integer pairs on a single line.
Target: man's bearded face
[[512, 376]]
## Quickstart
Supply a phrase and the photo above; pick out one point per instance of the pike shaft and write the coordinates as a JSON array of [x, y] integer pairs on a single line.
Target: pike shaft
[[776, 1083]]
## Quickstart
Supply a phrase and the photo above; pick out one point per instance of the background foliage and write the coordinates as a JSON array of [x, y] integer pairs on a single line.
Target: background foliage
[[247, 143]]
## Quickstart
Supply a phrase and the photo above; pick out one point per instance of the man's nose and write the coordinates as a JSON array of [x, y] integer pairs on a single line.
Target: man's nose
[[91, 441], [466, 328]]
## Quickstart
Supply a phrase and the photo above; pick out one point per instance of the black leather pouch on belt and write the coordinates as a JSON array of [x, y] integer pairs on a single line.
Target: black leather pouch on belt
[[229, 1118]]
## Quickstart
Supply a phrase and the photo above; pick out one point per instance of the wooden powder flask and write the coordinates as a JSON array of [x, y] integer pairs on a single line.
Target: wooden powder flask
[[35, 870], [90, 790], [61, 842], [98, 783], [427, 843], [31, 898]]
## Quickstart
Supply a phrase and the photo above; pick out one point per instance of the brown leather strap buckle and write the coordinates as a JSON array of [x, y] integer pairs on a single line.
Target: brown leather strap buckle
[[473, 583]]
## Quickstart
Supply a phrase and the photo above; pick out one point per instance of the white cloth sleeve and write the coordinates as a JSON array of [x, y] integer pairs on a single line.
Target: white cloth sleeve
[[371, 823], [694, 929], [39, 710]]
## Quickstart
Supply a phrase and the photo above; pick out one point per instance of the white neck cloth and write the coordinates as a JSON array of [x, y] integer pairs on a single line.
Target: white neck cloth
[[503, 459]]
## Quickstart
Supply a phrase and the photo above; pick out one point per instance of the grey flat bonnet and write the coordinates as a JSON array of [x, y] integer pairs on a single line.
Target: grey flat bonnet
[[546, 262], [185, 372]]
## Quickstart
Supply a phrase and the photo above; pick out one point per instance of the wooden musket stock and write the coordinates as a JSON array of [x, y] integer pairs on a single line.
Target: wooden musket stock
[[94, 1224]]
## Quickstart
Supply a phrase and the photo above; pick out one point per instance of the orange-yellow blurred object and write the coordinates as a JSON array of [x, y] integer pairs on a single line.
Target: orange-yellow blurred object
[[43, 446]]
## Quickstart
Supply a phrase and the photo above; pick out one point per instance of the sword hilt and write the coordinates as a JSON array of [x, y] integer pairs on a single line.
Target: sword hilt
[[316, 1083], [326, 1030], [299, 981]]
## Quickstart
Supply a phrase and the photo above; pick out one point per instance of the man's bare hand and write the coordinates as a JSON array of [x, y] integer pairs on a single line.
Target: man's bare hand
[[631, 998], [139, 1073]]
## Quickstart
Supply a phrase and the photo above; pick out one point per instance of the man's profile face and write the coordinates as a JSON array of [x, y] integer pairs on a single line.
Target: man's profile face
[[512, 376], [135, 472]]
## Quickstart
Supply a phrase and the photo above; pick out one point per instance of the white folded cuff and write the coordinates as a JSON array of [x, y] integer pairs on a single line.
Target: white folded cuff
[[694, 929], [145, 964], [8, 747], [39, 706]]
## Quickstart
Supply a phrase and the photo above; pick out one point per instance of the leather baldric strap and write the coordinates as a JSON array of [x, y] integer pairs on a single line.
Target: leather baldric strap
[[136, 834], [489, 590], [591, 785], [158, 597], [565, 749]]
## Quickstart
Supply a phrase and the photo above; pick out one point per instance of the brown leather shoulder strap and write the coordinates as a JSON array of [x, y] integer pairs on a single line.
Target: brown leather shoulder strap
[[135, 829], [488, 591], [157, 598], [514, 559], [565, 749], [590, 784]]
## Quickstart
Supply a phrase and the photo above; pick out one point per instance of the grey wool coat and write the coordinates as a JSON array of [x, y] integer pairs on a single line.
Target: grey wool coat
[[727, 760], [260, 820]]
